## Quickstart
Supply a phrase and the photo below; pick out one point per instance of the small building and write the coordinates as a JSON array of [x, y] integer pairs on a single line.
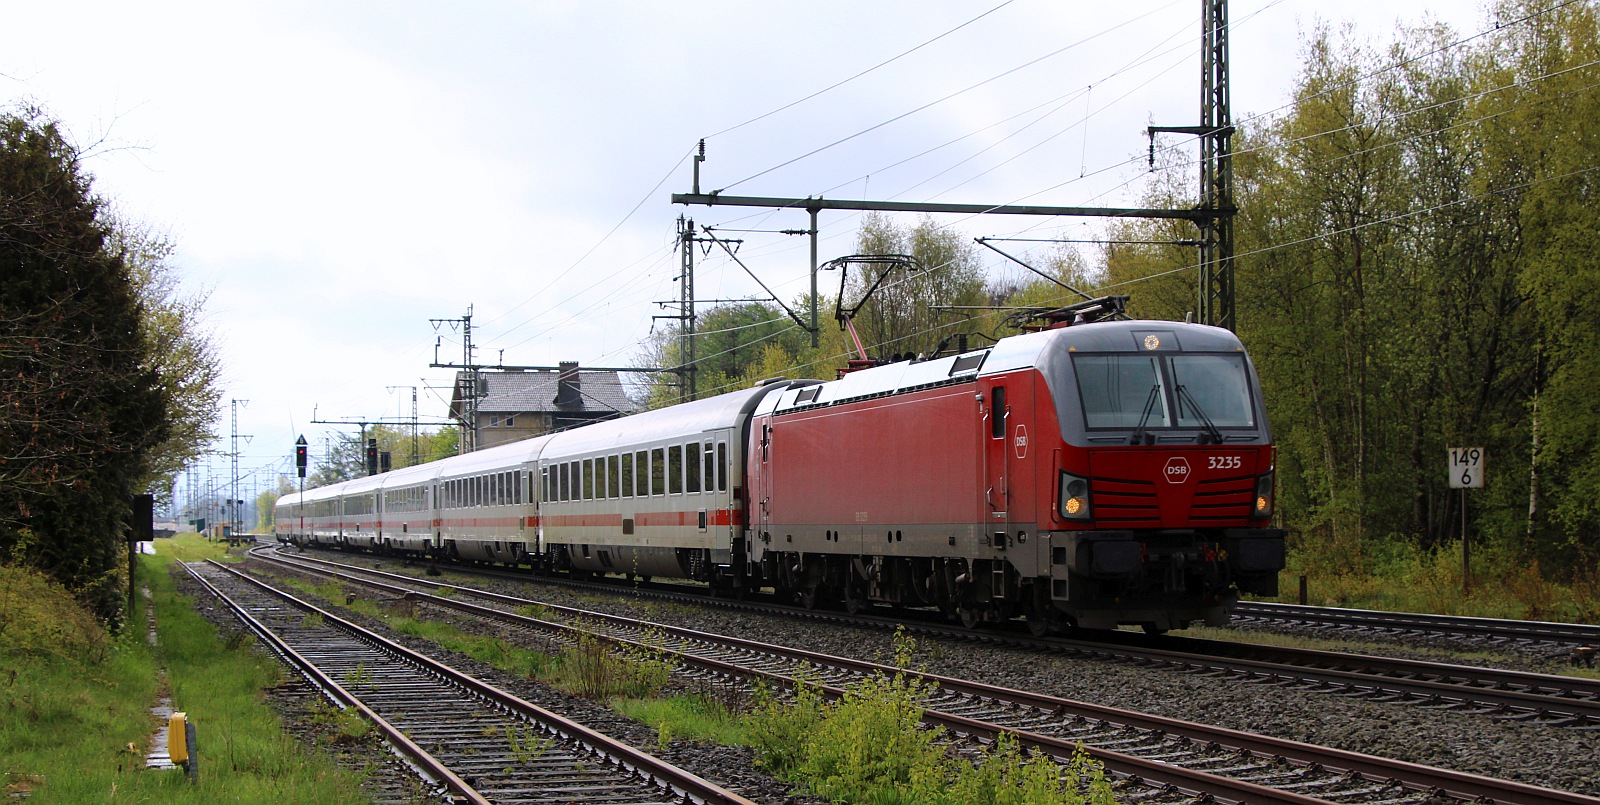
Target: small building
[[518, 404]]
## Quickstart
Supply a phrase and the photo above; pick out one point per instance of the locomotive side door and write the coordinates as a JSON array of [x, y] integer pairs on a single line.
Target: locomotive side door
[[1008, 455], [761, 492]]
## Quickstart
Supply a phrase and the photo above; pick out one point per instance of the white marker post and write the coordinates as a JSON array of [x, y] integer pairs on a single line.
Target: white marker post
[[1466, 472]]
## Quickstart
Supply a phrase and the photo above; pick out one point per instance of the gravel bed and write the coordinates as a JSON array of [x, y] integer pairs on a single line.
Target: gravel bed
[[1538, 755]]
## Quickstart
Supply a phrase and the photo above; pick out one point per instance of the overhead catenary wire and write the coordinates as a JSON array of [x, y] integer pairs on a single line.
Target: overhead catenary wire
[[874, 68], [938, 101]]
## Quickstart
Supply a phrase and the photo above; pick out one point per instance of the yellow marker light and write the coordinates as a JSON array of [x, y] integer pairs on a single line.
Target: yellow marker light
[[1074, 505], [1261, 504], [1152, 342]]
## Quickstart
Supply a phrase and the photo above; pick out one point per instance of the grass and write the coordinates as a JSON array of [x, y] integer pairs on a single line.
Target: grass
[[76, 718]]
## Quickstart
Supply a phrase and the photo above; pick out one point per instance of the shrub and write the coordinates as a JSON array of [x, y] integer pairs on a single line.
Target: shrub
[[38, 617], [870, 747]]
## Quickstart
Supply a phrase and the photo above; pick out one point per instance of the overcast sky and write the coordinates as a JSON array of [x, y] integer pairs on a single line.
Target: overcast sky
[[336, 174]]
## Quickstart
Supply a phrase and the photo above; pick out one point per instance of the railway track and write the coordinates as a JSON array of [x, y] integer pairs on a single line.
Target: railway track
[[475, 742], [1548, 699], [1577, 640], [1180, 758]]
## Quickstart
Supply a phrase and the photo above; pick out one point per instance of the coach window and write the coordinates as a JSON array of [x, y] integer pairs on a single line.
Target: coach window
[[627, 475], [641, 474], [675, 469], [564, 492], [588, 479], [691, 455], [708, 460], [613, 482], [658, 471], [997, 412], [722, 466]]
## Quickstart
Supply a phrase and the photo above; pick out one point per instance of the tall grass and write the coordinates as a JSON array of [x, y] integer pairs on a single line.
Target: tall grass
[[1395, 573]]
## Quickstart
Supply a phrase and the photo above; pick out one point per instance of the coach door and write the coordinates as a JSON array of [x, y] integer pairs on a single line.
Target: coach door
[[1008, 456]]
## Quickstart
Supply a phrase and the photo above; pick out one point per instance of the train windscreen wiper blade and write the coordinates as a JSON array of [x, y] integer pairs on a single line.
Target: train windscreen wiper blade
[[1149, 405], [1194, 405]]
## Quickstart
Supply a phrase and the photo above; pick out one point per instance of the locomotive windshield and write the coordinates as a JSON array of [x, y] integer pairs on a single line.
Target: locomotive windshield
[[1119, 391], [1132, 391], [1216, 388]]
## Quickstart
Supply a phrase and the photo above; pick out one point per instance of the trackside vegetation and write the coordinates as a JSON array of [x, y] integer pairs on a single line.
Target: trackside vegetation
[[867, 747], [864, 748], [75, 722]]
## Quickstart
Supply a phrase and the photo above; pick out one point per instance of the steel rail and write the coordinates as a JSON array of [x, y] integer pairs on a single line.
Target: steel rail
[[683, 782], [1580, 634], [1468, 787]]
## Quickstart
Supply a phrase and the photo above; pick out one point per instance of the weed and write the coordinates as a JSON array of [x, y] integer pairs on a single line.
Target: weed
[[538, 612], [313, 620], [525, 744], [595, 669], [359, 678]]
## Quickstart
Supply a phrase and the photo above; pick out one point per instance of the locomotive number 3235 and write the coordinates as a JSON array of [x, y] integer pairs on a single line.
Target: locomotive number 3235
[[1224, 462]]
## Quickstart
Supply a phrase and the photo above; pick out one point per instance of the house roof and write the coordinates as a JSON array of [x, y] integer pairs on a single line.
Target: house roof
[[599, 392]]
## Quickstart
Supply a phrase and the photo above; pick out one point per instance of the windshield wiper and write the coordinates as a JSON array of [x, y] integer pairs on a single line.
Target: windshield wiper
[[1185, 396], [1149, 405]]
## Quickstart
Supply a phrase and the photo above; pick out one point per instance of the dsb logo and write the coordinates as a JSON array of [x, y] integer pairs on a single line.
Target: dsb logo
[[1177, 470]]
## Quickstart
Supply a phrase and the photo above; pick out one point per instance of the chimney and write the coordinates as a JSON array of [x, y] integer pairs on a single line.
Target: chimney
[[567, 385]]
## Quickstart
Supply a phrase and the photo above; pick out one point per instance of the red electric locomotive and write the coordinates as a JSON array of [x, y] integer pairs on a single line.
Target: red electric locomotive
[[1093, 475]]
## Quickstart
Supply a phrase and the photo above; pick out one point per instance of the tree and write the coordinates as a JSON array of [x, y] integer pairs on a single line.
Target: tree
[[83, 408], [182, 353]]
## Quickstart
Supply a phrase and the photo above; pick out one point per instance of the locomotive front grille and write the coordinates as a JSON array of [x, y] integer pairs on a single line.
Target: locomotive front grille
[[1224, 499], [1125, 502], [1137, 504]]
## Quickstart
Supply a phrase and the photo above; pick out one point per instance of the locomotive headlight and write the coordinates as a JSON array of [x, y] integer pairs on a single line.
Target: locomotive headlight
[[1263, 505], [1074, 497]]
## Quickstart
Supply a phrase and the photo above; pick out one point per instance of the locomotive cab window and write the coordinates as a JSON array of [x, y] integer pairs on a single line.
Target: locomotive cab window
[[1212, 387], [1178, 390]]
